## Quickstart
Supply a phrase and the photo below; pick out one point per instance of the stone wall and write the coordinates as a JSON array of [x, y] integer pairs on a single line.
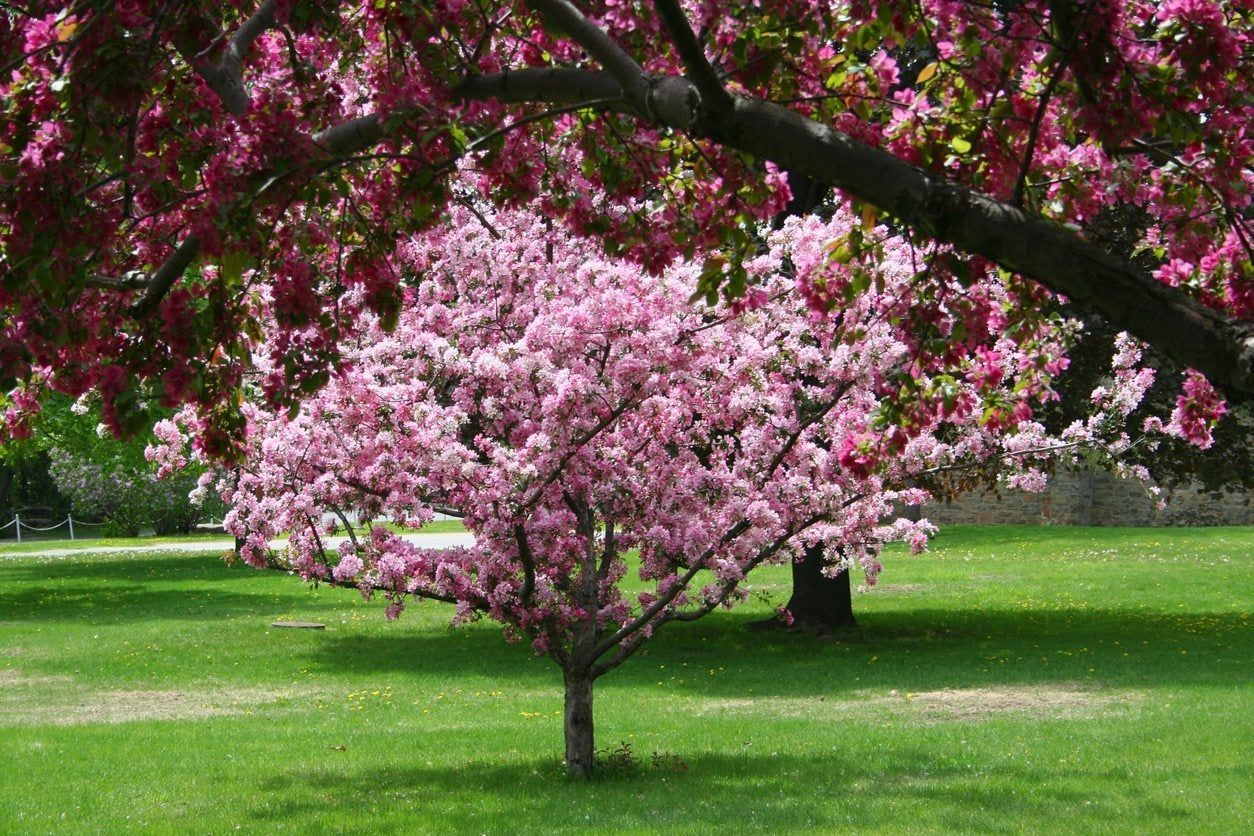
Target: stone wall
[[1093, 498]]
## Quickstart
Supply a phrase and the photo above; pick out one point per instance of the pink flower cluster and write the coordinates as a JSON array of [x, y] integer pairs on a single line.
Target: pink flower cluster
[[574, 408]]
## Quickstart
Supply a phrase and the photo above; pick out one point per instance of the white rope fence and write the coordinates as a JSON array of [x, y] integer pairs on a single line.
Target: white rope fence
[[17, 525]]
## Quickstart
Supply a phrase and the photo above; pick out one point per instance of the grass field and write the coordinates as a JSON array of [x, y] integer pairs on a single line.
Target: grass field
[[1044, 680]]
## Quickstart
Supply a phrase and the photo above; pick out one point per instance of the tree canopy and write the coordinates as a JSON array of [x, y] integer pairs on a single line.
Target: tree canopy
[[167, 167], [574, 409]]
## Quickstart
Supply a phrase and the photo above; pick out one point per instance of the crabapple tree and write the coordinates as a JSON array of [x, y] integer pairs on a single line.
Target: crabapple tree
[[165, 166], [574, 408]]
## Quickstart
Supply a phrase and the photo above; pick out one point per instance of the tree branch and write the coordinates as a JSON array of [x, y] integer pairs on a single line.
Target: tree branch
[[630, 76], [1034, 131], [166, 275], [338, 141], [130, 281], [227, 77], [350, 137], [1167, 318], [528, 564], [551, 85], [608, 551], [576, 447], [703, 75], [627, 648], [664, 600], [358, 485], [352, 535], [803, 426]]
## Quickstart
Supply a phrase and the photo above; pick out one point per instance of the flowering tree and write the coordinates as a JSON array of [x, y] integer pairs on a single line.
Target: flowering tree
[[164, 166], [574, 409]]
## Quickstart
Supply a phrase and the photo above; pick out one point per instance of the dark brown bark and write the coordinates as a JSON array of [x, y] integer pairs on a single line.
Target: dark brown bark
[[819, 604], [6, 480], [577, 725]]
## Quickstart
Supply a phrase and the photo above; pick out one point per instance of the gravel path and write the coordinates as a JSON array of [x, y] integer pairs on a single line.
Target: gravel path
[[446, 540]]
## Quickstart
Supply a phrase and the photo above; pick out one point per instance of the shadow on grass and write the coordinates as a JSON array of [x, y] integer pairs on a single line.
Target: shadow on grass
[[918, 649], [121, 589], [914, 650], [715, 792]]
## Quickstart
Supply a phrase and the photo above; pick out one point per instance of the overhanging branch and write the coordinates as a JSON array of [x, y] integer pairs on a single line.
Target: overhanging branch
[[166, 275], [226, 78], [703, 75], [1166, 317]]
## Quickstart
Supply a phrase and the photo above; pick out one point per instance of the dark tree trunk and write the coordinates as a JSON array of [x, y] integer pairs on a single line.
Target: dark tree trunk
[[819, 604], [6, 480], [580, 750]]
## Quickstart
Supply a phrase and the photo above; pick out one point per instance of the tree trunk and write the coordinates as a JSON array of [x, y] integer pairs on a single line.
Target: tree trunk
[[6, 480], [819, 604], [580, 751]]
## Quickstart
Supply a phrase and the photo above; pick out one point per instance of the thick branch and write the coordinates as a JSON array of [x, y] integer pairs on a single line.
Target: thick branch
[[703, 75], [227, 77], [609, 551], [166, 275], [551, 85], [130, 281], [1167, 318], [528, 564], [350, 137], [629, 75]]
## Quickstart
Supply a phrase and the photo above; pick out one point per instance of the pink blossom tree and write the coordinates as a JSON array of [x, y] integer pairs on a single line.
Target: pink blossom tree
[[164, 166], [578, 412]]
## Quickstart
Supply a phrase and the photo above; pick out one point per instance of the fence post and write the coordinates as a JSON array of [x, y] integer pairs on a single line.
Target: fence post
[[70, 520], [17, 525]]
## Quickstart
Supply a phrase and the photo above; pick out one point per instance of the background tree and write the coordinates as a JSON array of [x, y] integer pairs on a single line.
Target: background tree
[[102, 479], [25, 483], [166, 167]]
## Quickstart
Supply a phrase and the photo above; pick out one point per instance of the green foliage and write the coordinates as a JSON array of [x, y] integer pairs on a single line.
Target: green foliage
[[105, 479]]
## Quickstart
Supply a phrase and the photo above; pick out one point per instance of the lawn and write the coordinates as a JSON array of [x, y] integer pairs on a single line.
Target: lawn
[[1015, 679]]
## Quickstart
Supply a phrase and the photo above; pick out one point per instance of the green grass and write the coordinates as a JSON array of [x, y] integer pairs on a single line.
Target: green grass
[[28, 545], [1098, 681]]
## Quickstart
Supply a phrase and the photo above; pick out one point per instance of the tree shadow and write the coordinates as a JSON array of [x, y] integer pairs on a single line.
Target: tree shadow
[[915, 650], [709, 794], [126, 590], [121, 567]]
